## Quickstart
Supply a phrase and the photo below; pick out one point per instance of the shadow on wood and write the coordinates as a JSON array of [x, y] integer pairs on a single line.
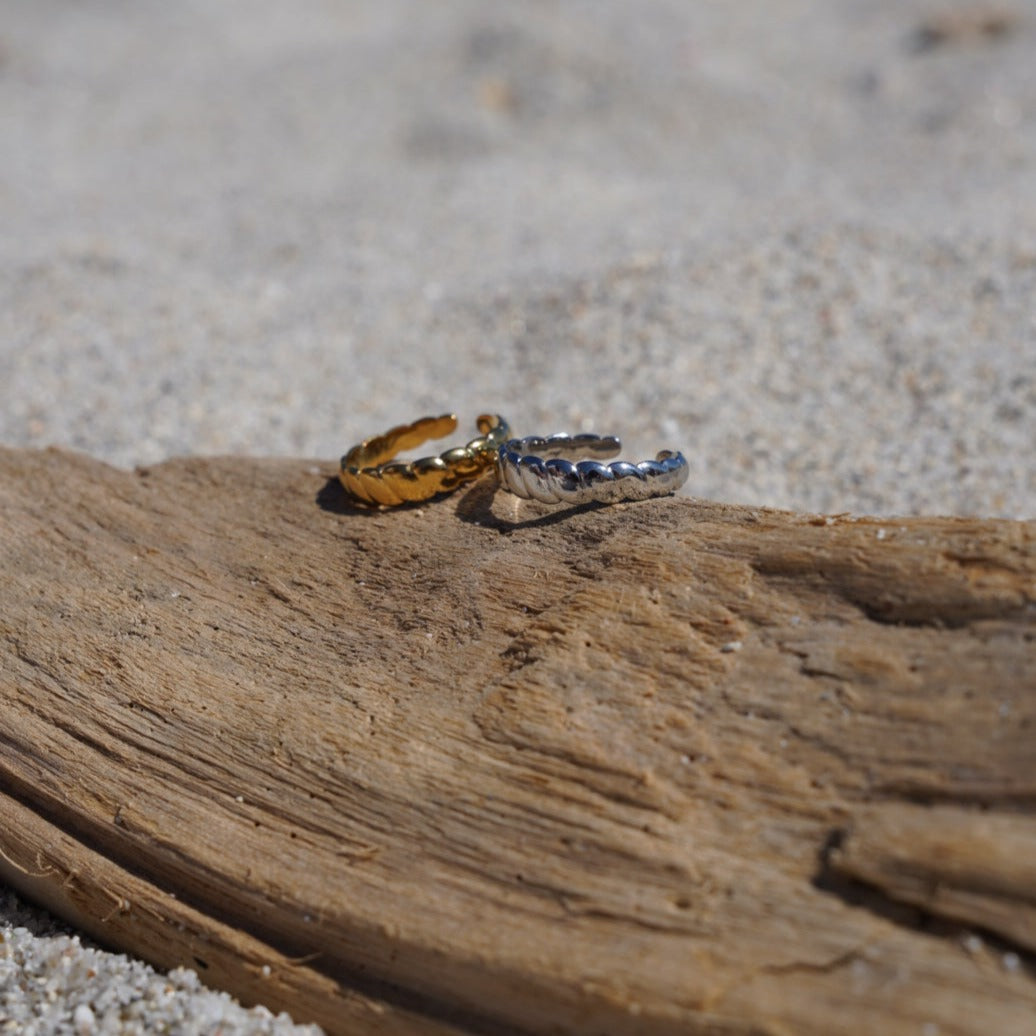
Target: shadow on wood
[[479, 766]]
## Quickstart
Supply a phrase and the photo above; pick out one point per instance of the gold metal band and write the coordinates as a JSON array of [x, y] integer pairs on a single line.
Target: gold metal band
[[366, 476]]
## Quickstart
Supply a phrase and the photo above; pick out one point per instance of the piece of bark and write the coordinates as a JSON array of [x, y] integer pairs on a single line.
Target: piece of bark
[[493, 767], [972, 866]]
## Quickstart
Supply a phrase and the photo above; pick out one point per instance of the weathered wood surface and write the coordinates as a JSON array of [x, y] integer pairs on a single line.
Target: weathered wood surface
[[482, 766]]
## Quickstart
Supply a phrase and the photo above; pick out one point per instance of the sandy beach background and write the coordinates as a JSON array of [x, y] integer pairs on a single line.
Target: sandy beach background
[[795, 240]]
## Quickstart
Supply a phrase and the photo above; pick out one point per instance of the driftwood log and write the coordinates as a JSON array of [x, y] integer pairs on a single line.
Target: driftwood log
[[481, 766]]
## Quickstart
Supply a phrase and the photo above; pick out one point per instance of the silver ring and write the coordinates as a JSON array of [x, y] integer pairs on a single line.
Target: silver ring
[[540, 469]]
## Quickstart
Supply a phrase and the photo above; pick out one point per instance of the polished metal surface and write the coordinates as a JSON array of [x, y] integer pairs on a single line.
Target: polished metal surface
[[367, 475], [547, 469]]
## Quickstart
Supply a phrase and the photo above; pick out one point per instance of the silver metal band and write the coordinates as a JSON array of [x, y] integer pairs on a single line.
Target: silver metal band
[[542, 469]]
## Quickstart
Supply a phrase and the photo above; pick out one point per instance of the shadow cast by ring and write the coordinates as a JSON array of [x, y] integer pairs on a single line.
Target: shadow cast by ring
[[475, 507], [332, 497]]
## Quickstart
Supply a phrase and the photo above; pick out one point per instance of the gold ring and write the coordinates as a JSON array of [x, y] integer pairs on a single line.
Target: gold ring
[[366, 476]]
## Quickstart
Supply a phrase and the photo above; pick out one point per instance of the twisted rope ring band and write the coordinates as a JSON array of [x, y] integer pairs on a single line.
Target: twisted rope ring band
[[536, 468], [366, 476]]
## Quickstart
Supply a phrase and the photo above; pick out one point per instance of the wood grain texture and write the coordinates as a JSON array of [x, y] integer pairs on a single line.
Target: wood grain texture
[[482, 766]]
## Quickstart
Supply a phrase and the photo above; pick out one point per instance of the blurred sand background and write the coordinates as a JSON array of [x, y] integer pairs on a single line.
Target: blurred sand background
[[796, 240]]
